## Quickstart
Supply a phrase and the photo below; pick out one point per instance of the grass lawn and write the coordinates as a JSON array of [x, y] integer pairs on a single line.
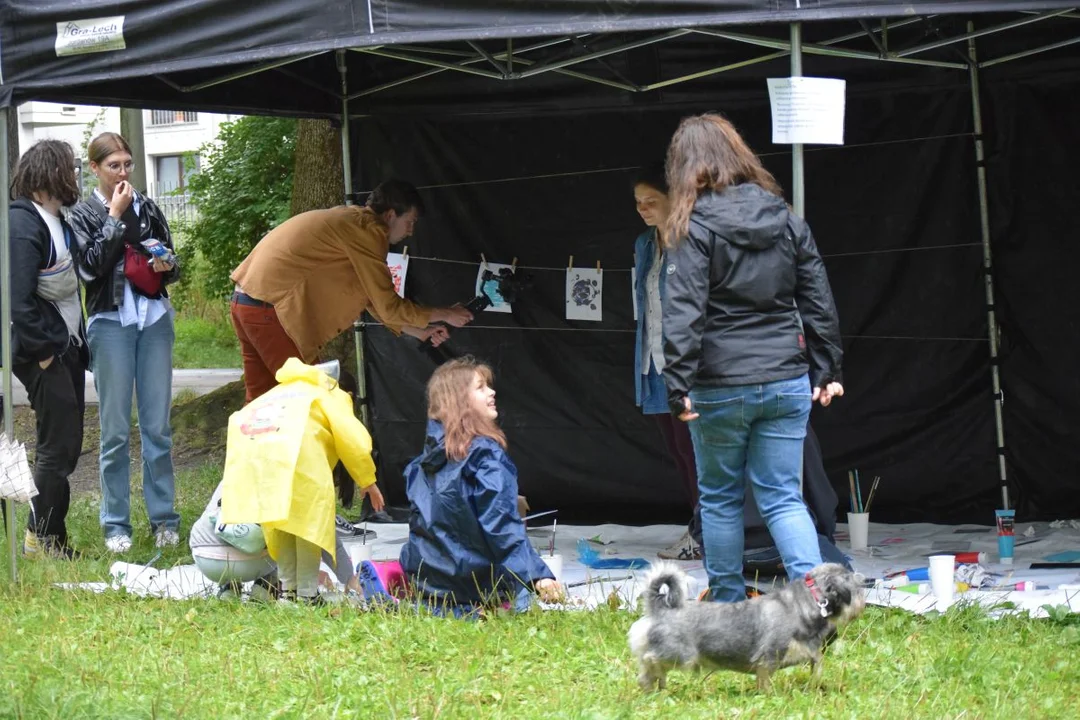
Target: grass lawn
[[72, 655], [205, 343]]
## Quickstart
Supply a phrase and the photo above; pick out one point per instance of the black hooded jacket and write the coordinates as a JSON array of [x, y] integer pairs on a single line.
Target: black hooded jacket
[[747, 300]]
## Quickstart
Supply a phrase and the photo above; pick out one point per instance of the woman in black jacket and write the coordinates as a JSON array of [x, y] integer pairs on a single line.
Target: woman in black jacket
[[751, 340], [49, 349], [130, 329]]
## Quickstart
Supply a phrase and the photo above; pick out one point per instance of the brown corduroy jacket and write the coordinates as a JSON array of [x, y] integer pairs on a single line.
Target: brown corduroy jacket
[[320, 270]]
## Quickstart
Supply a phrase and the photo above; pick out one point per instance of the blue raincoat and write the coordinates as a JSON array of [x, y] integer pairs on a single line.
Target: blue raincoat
[[467, 543]]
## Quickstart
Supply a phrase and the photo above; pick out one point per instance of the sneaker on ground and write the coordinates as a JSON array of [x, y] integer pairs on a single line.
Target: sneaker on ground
[[166, 537], [118, 544], [685, 548], [346, 527]]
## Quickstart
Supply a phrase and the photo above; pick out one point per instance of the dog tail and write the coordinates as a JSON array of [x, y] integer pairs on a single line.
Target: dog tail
[[664, 576]]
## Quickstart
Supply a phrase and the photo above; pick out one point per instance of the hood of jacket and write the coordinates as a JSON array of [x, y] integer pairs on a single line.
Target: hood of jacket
[[295, 371], [744, 215]]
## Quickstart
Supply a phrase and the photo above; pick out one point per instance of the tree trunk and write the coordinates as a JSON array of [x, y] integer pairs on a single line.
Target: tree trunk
[[318, 183]]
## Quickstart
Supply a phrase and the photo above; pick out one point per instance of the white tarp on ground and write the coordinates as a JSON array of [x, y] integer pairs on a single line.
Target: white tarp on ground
[[893, 548]]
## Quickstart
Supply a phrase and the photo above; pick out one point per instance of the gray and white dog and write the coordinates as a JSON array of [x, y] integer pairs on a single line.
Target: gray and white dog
[[783, 628]]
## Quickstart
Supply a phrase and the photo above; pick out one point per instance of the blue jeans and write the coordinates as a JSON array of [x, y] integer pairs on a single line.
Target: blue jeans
[[756, 432], [125, 358]]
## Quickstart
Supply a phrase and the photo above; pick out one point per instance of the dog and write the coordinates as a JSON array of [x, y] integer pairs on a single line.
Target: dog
[[783, 628]]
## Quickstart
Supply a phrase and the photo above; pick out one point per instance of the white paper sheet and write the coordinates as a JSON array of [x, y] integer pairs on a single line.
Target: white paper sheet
[[584, 294], [807, 110]]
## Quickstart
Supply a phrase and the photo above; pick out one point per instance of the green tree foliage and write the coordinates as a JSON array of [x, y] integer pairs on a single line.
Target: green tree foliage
[[241, 193]]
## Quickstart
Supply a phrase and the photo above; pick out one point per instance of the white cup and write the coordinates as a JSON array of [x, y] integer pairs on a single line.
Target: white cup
[[942, 579], [360, 553], [858, 530], [554, 563]]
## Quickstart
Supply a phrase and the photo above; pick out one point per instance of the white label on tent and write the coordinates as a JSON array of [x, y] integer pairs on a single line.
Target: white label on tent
[[807, 110], [76, 37]]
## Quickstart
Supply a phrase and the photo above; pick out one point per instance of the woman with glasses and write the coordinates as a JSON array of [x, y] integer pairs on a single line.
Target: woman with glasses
[[126, 261]]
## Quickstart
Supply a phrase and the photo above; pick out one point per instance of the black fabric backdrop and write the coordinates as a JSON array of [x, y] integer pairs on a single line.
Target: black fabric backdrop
[[895, 213]]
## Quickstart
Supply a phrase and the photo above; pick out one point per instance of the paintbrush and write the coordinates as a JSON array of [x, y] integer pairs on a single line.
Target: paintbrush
[[551, 550], [592, 581], [851, 496], [858, 491], [873, 489]]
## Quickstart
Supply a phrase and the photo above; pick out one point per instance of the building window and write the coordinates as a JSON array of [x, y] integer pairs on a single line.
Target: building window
[[159, 118], [173, 171]]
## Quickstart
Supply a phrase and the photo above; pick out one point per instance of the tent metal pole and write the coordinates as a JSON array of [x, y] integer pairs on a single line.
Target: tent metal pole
[[346, 176], [798, 189], [1029, 53], [971, 34], [5, 321], [988, 265]]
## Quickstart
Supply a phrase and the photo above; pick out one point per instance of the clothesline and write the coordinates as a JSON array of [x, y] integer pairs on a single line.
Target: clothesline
[[631, 331], [478, 263]]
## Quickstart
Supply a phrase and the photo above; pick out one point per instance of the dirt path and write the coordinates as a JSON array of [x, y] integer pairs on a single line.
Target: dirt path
[[199, 428]]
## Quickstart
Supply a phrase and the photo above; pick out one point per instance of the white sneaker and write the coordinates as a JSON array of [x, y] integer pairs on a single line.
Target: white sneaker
[[118, 544], [166, 538], [684, 549]]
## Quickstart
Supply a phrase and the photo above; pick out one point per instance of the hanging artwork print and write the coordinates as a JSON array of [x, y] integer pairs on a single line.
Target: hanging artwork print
[[487, 282], [584, 294], [399, 268]]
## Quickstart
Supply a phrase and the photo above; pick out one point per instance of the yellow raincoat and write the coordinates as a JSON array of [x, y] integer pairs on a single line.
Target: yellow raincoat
[[281, 452]]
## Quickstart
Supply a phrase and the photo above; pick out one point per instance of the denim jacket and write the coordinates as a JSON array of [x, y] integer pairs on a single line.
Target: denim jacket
[[649, 393]]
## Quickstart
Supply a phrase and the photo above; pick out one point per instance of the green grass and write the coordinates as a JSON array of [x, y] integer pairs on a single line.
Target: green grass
[[202, 343], [72, 655]]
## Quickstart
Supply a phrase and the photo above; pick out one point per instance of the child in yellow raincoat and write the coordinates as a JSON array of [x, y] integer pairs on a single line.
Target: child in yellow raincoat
[[281, 451]]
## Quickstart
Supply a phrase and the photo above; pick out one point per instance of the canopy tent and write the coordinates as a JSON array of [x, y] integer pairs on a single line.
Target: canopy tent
[[565, 74]]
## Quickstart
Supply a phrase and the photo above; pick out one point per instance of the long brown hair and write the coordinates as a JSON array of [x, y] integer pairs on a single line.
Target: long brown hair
[[47, 167], [707, 154], [105, 145], [448, 402]]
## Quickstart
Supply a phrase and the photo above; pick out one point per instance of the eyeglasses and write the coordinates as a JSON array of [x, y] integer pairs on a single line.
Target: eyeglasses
[[116, 166]]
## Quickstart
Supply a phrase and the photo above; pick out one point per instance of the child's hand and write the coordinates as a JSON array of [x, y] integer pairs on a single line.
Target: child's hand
[[375, 495], [549, 590]]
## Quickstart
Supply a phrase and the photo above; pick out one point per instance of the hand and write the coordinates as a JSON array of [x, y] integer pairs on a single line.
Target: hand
[[549, 590], [688, 414], [438, 335], [122, 196], [354, 585], [160, 265], [456, 316], [46, 363], [825, 395], [375, 495]]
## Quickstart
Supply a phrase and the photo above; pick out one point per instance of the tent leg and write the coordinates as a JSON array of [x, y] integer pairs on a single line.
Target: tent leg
[[346, 171], [988, 266], [798, 190], [5, 321]]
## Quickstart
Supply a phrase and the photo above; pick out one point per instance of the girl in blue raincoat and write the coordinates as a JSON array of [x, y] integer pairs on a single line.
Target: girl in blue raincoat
[[467, 546]]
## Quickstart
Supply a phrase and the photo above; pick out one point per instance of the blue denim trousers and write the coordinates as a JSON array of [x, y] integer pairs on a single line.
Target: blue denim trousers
[[756, 432], [126, 359]]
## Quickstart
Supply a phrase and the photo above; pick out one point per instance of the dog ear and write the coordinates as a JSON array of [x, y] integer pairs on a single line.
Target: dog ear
[[837, 591]]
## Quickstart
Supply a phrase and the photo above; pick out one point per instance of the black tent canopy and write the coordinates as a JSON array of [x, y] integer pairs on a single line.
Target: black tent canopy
[[522, 103]]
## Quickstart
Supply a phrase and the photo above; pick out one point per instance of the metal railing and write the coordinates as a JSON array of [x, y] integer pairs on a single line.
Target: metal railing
[[159, 118]]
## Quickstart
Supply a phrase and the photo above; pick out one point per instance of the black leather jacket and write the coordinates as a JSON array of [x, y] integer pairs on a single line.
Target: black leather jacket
[[736, 288], [101, 250]]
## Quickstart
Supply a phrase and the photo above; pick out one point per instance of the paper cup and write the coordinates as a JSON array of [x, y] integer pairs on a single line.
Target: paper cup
[[360, 553], [554, 563], [942, 579], [858, 530]]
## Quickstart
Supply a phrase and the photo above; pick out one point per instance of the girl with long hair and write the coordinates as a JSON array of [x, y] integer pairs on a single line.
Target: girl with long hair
[[751, 341], [651, 201], [467, 546]]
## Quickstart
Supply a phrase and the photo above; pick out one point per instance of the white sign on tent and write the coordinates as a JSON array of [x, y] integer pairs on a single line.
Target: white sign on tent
[[807, 110]]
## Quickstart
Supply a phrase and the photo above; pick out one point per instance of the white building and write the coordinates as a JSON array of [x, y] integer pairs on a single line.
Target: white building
[[168, 135]]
